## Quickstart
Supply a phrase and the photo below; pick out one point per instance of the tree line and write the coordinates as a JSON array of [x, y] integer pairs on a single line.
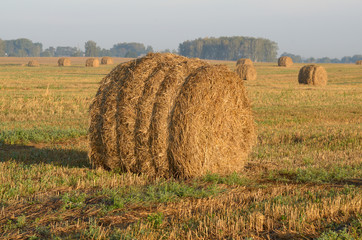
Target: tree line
[[223, 48], [231, 48], [346, 59], [26, 48]]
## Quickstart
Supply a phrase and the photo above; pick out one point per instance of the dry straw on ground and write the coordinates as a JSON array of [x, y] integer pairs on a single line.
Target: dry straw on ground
[[64, 62], [359, 62], [92, 62], [167, 115], [313, 75], [246, 72], [285, 61], [244, 61], [33, 63], [106, 60]]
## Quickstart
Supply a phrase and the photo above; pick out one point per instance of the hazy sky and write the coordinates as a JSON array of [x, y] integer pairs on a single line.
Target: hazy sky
[[310, 28]]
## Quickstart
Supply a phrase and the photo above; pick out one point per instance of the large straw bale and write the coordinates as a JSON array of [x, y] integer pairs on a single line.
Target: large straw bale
[[134, 117], [246, 72], [33, 63], [106, 60], [359, 62], [285, 61], [92, 62], [313, 75], [244, 61], [64, 62]]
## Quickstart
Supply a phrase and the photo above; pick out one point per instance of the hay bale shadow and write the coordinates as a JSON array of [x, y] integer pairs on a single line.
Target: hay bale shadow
[[30, 155]]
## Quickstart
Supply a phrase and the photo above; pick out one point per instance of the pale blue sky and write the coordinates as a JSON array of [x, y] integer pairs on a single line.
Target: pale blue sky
[[310, 28]]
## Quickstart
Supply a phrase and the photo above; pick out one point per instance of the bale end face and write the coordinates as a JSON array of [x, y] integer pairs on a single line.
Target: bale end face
[[313, 75], [211, 127]]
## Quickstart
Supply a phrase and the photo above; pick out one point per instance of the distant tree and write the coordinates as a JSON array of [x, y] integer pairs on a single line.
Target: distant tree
[[2, 48], [104, 52], [149, 49], [130, 49], [335, 60], [131, 54], [295, 58], [324, 60], [91, 49], [77, 53], [230, 48], [346, 59], [310, 60], [49, 52], [23, 48], [356, 58], [66, 51]]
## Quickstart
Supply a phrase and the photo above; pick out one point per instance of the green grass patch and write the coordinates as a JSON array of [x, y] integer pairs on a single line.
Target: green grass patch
[[36, 135], [310, 174], [163, 192], [231, 179]]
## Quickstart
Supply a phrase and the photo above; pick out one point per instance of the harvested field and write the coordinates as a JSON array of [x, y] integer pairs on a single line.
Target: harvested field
[[302, 180]]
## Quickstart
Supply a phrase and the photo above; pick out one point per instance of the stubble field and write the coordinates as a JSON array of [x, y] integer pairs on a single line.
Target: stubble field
[[303, 179]]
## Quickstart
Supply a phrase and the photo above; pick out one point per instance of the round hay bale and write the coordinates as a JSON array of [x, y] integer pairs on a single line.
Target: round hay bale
[[33, 63], [92, 62], [106, 60], [359, 62], [137, 112], [246, 72], [64, 62], [244, 61], [285, 61], [313, 75]]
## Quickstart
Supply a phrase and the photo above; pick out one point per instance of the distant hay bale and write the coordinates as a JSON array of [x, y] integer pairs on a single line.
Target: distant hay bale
[[285, 61], [64, 62], [167, 115], [246, 72], [313, 75], [33, 63], [244, 61], [106, 60], [92, 62], [359, 62]]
